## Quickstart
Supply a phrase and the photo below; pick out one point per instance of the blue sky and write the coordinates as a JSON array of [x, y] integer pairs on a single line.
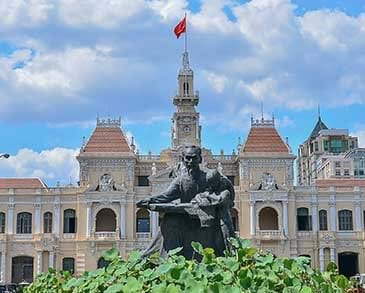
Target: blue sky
[[62, 63]]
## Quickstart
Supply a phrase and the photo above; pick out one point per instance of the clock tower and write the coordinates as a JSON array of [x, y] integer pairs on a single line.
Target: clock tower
[[185, 121]]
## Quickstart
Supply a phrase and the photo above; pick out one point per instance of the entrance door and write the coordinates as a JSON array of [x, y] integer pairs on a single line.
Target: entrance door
[[22, 269], [348, 263]]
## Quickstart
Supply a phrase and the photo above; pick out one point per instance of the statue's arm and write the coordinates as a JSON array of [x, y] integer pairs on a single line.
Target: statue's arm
[[173, 192]]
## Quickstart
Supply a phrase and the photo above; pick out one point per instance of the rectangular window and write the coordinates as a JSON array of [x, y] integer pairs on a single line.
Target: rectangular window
[[316, 146], [143, 181], [68, 264], [346, 172], [338, 164], [325, 145], [338, 173]]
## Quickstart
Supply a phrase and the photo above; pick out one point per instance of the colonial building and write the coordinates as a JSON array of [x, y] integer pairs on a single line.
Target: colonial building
[[45, 227]]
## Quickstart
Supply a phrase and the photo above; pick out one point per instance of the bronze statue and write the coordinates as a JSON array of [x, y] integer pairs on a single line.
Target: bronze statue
[[196, 207]]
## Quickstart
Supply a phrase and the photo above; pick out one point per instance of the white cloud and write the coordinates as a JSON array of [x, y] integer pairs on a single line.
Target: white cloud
[[101, 13], [218, 82], [58, 164], [24, 12], [122, 56]]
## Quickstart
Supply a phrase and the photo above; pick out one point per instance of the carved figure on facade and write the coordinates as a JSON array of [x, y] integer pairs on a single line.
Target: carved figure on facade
[[196, 207], [106, 183], [268, 182]]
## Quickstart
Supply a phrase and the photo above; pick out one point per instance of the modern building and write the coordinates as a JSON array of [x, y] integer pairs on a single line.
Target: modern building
[[322, 141], [45, 227]]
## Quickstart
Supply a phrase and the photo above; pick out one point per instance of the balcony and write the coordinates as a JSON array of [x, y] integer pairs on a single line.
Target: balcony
[[69, 235], [27, 236], [305, 234], [270, 235], [105, 235], [143, 235]]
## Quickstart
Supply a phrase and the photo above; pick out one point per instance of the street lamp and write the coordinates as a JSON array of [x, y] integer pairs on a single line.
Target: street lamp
[[4, 156]]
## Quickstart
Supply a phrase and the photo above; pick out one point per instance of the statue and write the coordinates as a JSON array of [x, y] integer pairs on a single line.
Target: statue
[[196, 207], [106, 183]]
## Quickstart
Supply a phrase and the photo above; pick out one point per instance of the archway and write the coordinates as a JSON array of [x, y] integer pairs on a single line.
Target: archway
[[235, 219], [22, 269], [268, 219], [102, 263], [106, 221], [348, 263]]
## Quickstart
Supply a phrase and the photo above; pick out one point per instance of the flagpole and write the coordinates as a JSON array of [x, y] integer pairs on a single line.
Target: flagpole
[[186, 34]]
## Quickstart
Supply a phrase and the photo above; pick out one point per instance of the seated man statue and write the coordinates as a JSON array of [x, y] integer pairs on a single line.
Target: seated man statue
[[193, 218]]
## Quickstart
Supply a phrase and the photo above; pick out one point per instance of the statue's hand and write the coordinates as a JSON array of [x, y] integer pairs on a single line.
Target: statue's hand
[[143, 203]]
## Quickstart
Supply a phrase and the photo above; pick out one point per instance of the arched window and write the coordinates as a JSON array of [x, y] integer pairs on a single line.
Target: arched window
[[24, 223], [235, 220], [323, 220], [47, 222], [2, 222], [102, 263], [186, 88], [143, 221], [304, 220], [268, 219], [68, 264], [69, 221], [345, 220], [106, 221]]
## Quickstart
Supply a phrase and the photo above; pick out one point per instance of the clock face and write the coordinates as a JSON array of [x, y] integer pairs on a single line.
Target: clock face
[[186, 129]]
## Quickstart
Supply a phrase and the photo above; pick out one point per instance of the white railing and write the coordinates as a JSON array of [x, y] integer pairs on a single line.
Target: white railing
[[103, 235], [149, 157], [142, 189], [143, 235], [69, 235], [23, 236], [224, 157], [270, 234], [304, 234]]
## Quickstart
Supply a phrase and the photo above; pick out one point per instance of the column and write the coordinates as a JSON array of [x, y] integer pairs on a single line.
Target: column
[[39, 262], [122, 222], [37, 215], [10, 215], [333, 215], [285, 218], [321, 259], [51, 259], [154, 226], [333, 254], [314, 218], [357, 212], [57, 216], [252, 219], [3, 268], [88, 219]]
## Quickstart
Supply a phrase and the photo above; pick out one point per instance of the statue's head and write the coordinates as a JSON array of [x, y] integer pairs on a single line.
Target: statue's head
[[192, 157]]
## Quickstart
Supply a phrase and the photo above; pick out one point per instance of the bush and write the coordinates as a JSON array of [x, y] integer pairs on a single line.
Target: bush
[[244, 269]]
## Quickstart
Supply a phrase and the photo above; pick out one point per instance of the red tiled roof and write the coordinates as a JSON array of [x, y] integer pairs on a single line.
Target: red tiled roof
[[264, 139], [339, 182], [107, 139], [28, 183]]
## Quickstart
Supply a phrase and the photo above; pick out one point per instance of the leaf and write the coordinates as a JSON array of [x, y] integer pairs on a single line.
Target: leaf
[[306, 289], [198, 248], [116, 288], [342, 282], [175, 251], [111, 254], [133, 285]]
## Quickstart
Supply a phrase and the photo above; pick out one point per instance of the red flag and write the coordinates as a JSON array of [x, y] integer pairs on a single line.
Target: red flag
[[180, 27]]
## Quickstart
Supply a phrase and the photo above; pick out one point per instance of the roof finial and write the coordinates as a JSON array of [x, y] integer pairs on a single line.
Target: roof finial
[[262, 110], [319, 111]]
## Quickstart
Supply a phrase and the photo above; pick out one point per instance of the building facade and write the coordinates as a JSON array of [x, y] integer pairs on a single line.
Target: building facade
[[45, 227]]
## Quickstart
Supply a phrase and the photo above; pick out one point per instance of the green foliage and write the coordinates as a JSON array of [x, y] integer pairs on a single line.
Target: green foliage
[[244, 269]]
